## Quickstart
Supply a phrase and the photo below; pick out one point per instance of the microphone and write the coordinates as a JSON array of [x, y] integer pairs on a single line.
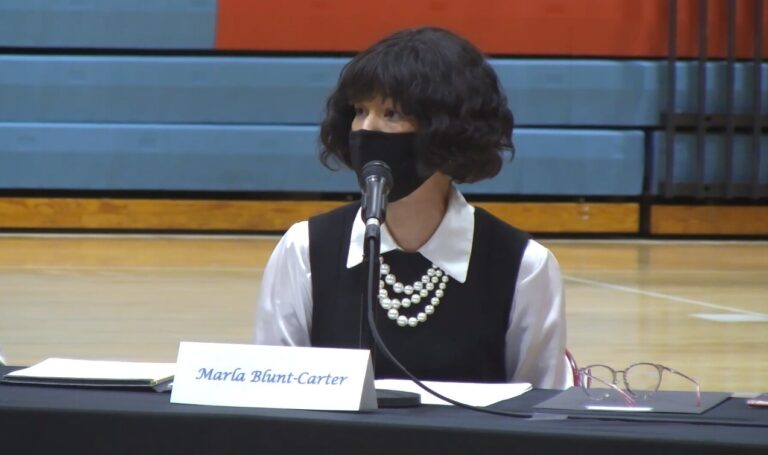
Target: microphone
[[376, 181]]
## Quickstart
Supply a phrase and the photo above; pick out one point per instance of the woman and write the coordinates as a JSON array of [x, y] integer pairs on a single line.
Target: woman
[[463, 296]]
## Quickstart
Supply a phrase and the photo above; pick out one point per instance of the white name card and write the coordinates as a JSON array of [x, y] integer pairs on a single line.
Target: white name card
[[273, 377]]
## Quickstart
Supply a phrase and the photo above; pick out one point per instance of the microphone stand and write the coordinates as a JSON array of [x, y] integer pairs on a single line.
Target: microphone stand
[[371, 264], [377, 172]]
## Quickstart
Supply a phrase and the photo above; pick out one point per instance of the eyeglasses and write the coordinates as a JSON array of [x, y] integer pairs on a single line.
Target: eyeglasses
[[640, 381]]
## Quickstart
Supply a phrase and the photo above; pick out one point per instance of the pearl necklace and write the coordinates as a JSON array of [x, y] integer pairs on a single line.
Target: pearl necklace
[[435, 281]]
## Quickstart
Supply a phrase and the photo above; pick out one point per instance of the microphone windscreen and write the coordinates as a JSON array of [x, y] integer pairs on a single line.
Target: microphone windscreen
[[378, 168]]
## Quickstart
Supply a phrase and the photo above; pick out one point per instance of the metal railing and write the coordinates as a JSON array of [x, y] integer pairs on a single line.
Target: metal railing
[[728, 123]]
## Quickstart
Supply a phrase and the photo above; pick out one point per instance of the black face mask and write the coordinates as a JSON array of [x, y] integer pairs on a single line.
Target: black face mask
[[397, 150]]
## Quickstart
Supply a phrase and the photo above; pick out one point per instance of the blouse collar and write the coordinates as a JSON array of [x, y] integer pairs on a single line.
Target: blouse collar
[[450, 247]]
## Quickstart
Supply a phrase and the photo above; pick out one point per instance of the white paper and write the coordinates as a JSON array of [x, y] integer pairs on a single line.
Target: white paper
[[595, 407], [475, 394], [55, 368]]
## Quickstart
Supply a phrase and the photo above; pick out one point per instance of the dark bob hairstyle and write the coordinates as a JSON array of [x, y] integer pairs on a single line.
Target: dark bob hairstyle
[[445, 83]]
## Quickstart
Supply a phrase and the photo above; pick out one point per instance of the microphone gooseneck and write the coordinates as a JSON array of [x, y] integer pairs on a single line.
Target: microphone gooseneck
[[376, 181], [372, 272]]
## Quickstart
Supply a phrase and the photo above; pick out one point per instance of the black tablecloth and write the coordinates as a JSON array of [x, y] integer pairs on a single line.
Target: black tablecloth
[[42, 419]]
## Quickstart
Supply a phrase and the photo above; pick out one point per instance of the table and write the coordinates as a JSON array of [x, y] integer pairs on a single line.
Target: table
[[42, 419]]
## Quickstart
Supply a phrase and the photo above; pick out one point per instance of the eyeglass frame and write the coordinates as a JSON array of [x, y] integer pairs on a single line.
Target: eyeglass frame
[[629, 396]]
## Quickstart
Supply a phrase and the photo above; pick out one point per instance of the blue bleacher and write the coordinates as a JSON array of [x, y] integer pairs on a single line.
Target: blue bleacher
[[291, 90], [714, 159], [272, 158], [116, 24], [116, 122]]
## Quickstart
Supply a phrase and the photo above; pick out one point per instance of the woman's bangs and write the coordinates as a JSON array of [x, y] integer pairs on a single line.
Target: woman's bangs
[[368, 78]]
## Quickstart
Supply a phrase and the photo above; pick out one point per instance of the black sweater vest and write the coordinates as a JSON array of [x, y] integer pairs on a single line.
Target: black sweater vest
[[462, 341]]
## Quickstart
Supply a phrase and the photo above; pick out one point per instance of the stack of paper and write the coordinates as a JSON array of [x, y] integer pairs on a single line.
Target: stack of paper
[[94, 373]]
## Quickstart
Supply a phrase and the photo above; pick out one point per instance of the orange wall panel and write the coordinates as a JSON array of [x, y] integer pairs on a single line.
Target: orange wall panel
[[590, 28]]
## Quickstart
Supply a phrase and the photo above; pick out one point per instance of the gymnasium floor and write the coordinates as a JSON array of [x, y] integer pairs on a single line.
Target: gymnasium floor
[[699, 307]]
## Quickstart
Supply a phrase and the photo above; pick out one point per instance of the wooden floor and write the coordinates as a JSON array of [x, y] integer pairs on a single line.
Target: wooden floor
[[700, 307]]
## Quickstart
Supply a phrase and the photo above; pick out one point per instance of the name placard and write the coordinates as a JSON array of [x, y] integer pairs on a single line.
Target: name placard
[[243, 375]]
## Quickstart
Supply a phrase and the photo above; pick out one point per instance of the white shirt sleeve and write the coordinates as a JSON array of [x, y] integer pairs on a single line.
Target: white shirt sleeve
[[284, 311], [536, 335]]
